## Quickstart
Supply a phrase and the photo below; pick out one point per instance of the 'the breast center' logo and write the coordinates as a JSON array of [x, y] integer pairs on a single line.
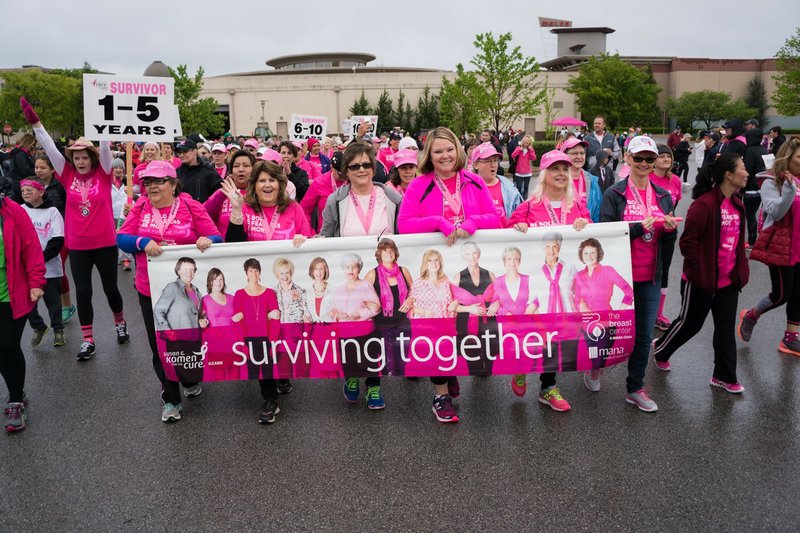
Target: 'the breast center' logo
[[594, 329]]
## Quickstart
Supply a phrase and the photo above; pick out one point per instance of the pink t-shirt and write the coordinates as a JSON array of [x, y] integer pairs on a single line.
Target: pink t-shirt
[[449, 214], [496, 192], [312, 172], [316, 164], [88, 226], [728, 240], [535, 213], [380, 223], [596, 290], [386, 156], [190, 223], [644, 249], [670, 183], [290, 223], [219, 209], [218, 315], [221, 171], [255, 310]]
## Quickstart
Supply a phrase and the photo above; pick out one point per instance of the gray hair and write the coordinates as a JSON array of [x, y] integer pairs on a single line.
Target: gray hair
[[351, 258], [469, 246], [552, 236], [511, 250]]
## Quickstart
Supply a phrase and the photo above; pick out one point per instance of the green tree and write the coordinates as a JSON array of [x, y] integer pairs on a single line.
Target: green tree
[[403, 114], [458, 107], [56, 98], [197, 114], [549, 111], [756, 98], [508, 88], [608, 86], [385, 112], [708, 107], [427, 113], [787, 82], [360, 106]]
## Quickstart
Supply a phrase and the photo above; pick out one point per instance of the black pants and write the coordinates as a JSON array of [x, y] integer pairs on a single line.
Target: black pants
[[785, 290], [695, 306], [352, 368], [170, 391], [81, 262], [52, 299], [751, 204], [268, 386], [12, 360]]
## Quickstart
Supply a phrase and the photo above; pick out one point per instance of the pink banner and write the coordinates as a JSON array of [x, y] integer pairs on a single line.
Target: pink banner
[[550, 300]]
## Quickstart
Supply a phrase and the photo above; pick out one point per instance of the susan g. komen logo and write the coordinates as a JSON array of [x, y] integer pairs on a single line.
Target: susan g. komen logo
[[103, 86], [202, 352]]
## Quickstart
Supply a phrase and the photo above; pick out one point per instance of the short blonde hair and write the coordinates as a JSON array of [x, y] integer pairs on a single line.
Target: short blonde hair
[[426, 165], [280, 263], [511, 250]]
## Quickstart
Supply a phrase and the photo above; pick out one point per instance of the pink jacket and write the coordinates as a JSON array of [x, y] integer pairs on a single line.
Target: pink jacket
[[317, 195], [24, 258], [422, 209], [508, 305], [524, 161]]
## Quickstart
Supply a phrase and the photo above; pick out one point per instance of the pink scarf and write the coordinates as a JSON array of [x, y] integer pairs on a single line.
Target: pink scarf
[[387, 300], [554, 302]]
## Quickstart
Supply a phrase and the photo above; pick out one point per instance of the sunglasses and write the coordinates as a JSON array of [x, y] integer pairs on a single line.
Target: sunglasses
[[158, 181], [638, 159], [359, 166]]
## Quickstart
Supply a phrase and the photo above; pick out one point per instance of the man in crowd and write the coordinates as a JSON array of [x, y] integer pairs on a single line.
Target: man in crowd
[[199, 180], [600, 140]]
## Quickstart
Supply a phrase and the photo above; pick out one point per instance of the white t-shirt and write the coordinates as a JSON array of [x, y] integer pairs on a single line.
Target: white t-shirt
[[48, 224]]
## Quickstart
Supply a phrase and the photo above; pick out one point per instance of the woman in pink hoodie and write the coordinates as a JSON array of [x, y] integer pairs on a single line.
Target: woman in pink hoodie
[[22, 283], [448, 199]]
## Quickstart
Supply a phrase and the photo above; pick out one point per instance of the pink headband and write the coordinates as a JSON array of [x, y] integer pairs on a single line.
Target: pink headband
[[30, 183]]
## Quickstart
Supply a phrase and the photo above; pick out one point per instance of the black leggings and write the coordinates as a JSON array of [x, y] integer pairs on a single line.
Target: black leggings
[[81, 263], [785, 290], [12, 360], [751, 203]]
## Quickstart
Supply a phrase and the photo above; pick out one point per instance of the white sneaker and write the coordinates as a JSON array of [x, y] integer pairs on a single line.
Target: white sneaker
[[592, 379], [171, 412], [195, 390], [641, 400]]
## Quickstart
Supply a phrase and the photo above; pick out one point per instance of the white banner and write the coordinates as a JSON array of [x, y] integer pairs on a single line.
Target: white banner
[[304, 127], [125, 108], [356, 120]]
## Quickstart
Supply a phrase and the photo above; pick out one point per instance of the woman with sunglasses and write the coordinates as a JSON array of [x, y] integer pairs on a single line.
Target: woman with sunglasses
[[455, 202], [649, 210], [359, 208], [587, 186], [89, 225], [163, 217]]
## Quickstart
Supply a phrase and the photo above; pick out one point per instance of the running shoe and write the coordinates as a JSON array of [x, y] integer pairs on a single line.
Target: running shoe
[[126, 265], [375, 398], [122, 332], [790, 345], [87, 351], [453, 387], [59, 338], [193, 391], [641, 400], [443, 409], [38, 335], [519, 384], [67, 313], [746, 325], [733, 388], [351, 390], [663, 365], [171, 412], [552, 396], [662, 323], [268, 412], [15, 420], [8, 403], [592, 379], [284, 386]]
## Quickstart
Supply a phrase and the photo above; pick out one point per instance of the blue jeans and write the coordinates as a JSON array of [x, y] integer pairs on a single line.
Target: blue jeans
[[521, 183], [646, 296]]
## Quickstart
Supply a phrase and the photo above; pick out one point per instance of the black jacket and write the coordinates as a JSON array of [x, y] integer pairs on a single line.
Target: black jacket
[[299, 177], [20, 167], [198, 181], [613, 208], [753, 161]]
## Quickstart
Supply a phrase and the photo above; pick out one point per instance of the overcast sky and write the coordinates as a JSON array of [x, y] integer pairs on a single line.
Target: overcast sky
[[412, 33]]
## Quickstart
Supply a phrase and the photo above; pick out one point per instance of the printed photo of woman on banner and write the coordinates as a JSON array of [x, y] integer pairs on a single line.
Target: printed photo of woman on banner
[[295, 319], [216, 319]]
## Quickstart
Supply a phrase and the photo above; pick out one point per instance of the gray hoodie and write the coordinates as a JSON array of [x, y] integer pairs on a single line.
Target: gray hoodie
[[775, 204], [337, 206]]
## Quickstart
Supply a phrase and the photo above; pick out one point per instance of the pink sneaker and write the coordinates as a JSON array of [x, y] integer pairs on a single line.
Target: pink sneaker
[[663, 365], [662, 323], [519, 384], [552, 396], [733, 388]]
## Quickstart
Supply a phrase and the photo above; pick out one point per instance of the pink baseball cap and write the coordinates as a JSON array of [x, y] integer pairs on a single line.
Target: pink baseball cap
[[271, 155], [219, 147], [572, 142], [484, 151], [405, 157], [642, 143], [251, 142], [298, 144], [31, 183], [552, 157], [233, 146], [158, 169]]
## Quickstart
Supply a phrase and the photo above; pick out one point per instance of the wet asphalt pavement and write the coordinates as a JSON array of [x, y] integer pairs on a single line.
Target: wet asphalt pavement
[[96, 456]]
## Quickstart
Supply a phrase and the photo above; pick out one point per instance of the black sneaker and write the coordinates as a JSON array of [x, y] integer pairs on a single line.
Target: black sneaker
[[87, 351], [122, 332], [269, 411], [38, 335], [284, 386]]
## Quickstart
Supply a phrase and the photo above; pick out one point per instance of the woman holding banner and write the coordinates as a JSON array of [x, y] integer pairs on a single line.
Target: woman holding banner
[[265, 213], [715, 268], [450, 200], [648, 208], [89, 225], [586, 187], [218, 205], [163, 217]]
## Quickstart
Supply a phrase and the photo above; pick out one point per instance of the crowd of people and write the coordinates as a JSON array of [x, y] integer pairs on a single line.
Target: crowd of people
[[72, 205]]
